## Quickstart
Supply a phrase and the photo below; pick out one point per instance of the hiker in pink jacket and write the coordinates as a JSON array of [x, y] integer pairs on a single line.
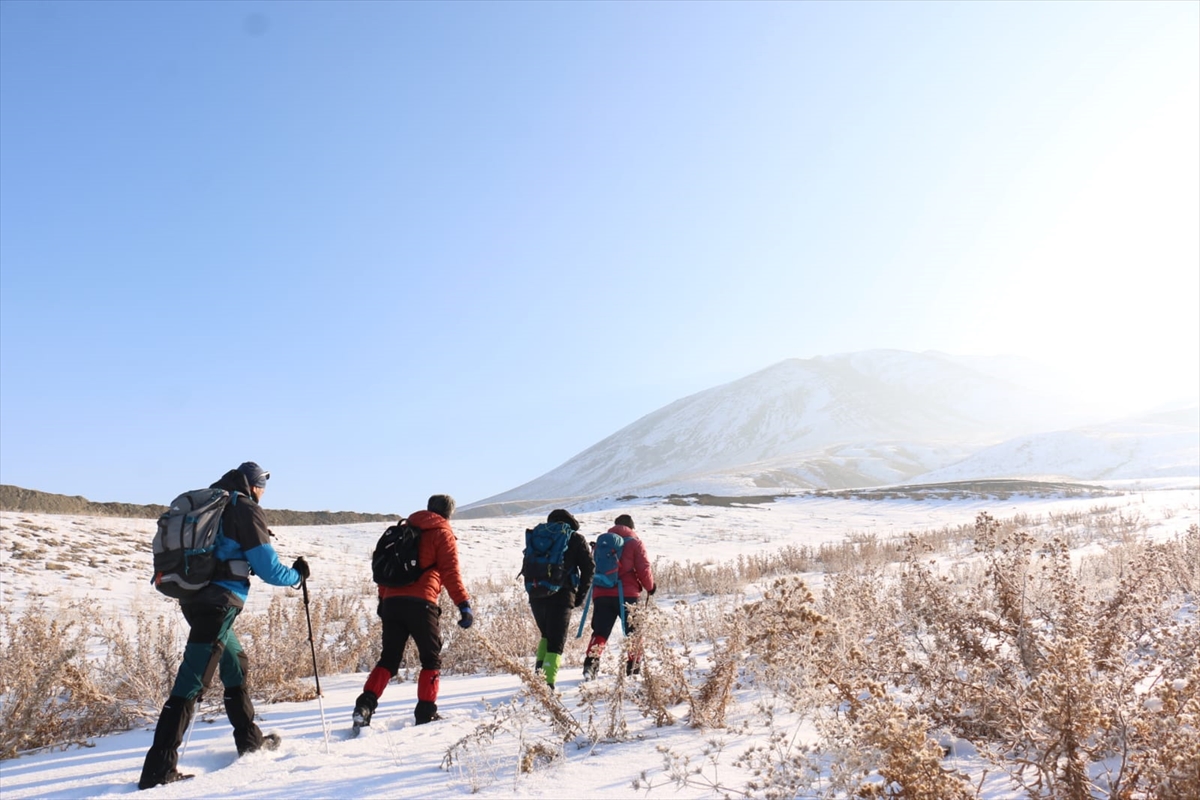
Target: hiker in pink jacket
[[634, 575]]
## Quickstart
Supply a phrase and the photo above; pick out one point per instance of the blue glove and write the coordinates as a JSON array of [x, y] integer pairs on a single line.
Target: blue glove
[[467, 617]]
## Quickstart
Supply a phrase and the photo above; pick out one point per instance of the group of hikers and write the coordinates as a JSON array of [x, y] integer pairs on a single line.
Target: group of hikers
[[557, 583]]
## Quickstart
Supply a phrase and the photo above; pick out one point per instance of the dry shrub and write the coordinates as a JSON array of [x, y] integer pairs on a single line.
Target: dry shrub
[[1049, 679], [780, 769], [1165, 762], [848, 660], [538, 755], [344, 638], [346, 635], [534, 684], [530, 729], [880, 748], [140, 661], [707, 578], [710, 704], [665, 664], [858, 552], [479, 756], [602, 704], [1184, 559], [784, 635], [276, 643], [49, 696], [502, 617], [704, 620]]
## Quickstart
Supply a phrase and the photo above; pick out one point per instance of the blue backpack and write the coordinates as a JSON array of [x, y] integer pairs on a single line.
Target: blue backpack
[[545, 551], [608, 560], [607, 553]]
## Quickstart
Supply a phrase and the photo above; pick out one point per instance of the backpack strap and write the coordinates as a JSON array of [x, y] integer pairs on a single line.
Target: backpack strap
[[621, 605], [235, 568]]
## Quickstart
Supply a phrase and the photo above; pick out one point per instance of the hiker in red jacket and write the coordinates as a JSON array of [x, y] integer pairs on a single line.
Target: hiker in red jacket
[[412, 611], [634, 575]]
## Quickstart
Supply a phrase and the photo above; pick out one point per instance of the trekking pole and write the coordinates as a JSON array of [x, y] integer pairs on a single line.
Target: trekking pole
[[313, 646], [583, 619], [191, 726]]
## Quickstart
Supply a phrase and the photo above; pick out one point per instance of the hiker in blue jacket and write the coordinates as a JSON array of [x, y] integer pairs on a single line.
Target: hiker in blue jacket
[[243, 548], [553, 612]]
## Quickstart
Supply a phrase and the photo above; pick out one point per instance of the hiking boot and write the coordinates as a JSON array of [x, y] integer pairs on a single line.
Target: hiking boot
[[364, 707], [362, 716], [269, 741], [171, 777], [590, 667], [633, 668], [163, 756], [426, 712], [537, 666]]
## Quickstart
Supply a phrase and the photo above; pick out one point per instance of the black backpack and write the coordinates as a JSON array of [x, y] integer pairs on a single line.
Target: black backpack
[[394, 562], [184, 544]]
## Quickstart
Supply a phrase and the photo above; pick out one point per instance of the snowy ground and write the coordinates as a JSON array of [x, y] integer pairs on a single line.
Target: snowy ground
[[398, 760], [395, 759]]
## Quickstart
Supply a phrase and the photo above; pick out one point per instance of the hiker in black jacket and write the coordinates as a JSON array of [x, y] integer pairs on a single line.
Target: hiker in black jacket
[[553, 612], [244, 548]]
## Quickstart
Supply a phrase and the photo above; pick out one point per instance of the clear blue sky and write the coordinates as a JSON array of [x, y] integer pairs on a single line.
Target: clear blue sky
[[392, 249]]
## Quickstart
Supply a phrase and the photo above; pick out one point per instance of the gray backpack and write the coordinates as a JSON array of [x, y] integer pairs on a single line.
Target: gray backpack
[[185, 544]]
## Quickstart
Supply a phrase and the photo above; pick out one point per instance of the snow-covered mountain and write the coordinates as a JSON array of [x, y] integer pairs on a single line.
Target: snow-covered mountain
[[864, 419]]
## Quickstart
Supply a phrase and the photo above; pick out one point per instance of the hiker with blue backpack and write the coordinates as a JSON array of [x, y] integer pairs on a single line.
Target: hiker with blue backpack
[[212, 591], [622, 572], [558, 573]]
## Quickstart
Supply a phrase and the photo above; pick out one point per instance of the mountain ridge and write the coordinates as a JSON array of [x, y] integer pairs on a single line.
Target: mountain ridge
[[18, 499], [852, 420]]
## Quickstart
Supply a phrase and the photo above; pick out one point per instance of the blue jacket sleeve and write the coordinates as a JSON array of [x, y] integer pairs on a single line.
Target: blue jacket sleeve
[[265, 563]]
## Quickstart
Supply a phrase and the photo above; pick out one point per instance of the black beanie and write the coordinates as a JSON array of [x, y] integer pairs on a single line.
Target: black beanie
[[442, 504], [562, 515], [625, 520]]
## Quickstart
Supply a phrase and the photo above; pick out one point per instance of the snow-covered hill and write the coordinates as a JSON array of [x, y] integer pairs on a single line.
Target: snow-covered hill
[[861, 419], [1164, 445]]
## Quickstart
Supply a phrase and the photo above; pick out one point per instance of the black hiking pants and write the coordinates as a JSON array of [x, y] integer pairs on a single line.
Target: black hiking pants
[[606, 612], [404, 618], [553, 616]]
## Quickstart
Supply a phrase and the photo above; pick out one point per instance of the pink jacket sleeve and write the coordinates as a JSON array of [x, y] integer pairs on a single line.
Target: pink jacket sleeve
[[639, 576]]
